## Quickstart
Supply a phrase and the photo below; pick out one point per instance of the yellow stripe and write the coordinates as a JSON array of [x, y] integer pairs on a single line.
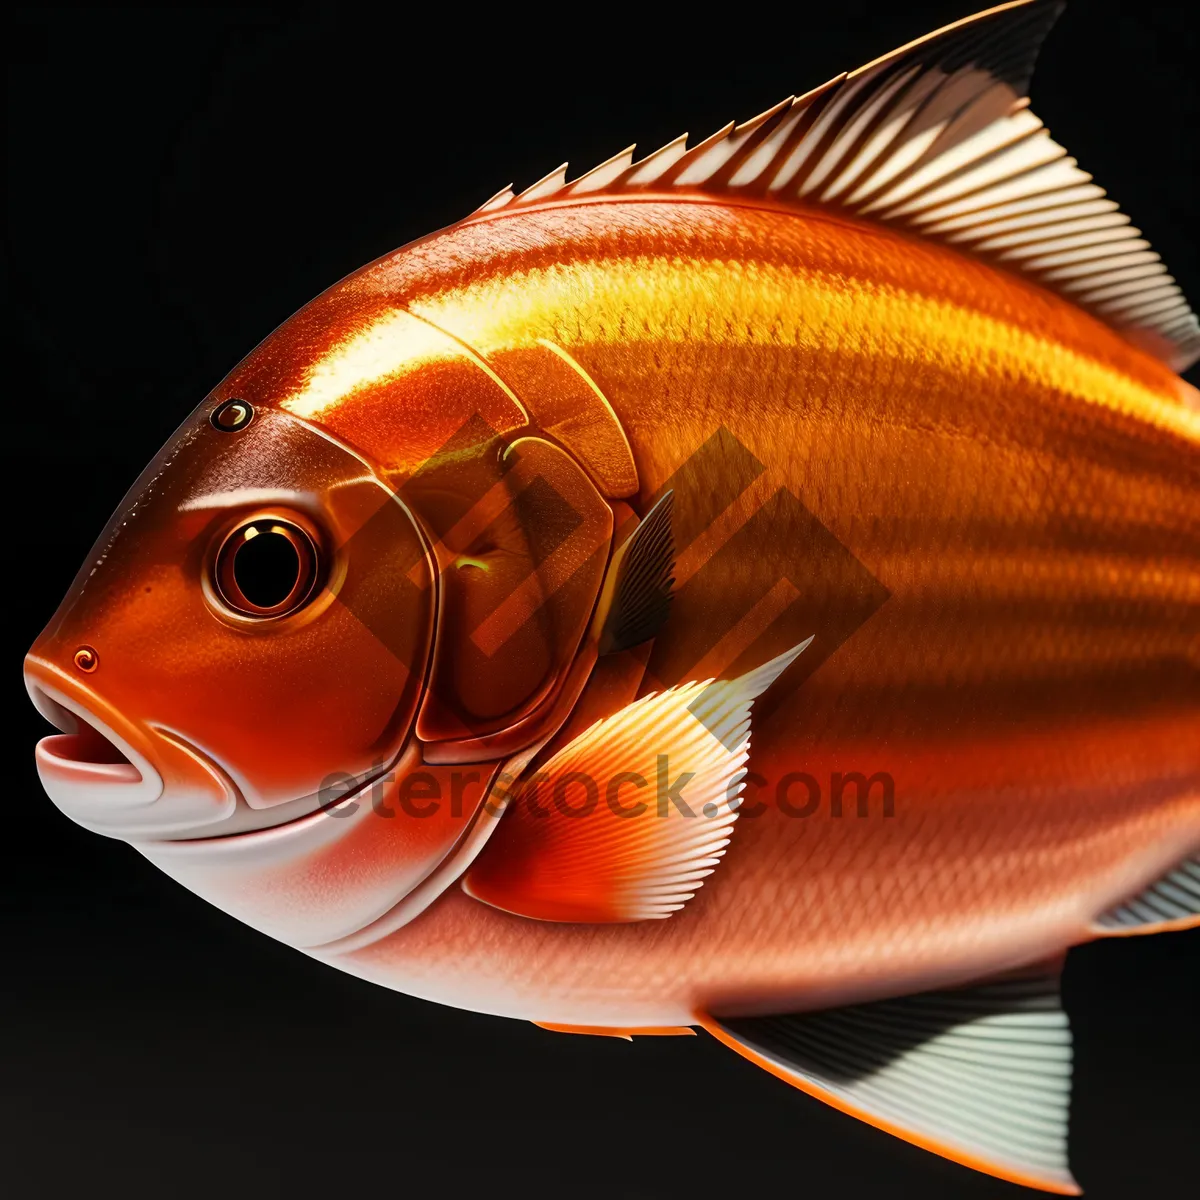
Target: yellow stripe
[[677, 300], [394, 345]]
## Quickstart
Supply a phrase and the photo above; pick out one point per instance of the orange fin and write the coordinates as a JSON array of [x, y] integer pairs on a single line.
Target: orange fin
[[625, 822], [937, 139], [617, 1032], [980, 1075], [1169, 905]]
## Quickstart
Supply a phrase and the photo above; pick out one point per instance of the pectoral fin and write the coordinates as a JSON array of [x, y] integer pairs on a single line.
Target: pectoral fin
[[981, 1076], [626, 822]]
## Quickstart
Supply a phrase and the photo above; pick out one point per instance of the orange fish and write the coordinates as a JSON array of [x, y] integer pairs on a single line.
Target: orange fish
[[755, 588]]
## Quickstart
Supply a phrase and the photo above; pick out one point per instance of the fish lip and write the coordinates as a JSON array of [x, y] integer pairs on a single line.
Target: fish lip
[[62, 754], [98, 794], [85, 748], [95, 773]]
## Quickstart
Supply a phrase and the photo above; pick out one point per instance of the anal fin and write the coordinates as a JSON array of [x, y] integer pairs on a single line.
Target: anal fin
[[1171, 903], [980, 1075]]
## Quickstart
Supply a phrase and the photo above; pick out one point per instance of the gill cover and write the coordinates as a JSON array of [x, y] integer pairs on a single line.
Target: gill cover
[[522, 544], [510, 482], [253, 713]]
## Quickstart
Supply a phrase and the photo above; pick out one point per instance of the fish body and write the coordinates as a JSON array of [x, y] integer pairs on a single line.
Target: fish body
[[878, 430], [1020, 480]]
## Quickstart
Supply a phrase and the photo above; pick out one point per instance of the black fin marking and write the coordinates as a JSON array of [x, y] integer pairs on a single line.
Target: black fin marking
[[641, 599], [1171, 903], [981, 1075]]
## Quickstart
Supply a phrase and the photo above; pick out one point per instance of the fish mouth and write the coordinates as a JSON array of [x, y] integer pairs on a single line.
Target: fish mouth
[[98, 771], [83, 750], [93, 773]]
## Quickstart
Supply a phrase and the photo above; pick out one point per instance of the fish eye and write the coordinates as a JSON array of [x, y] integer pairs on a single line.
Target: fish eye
[[266, 567]]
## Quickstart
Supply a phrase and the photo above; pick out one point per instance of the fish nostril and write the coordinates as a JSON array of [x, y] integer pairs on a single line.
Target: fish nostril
[[86, 659]]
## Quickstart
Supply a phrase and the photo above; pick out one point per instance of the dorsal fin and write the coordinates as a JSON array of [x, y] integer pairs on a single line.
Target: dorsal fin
[[936, 138]]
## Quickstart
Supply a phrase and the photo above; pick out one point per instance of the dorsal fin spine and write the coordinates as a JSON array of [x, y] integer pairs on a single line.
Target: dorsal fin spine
[[812, 144], [548, 185], [867, 142], [660, 160], [914, 95], [598, 177], [908, 198], [764, 148], [1119, 289], [689, 172], [746, 138], [1045, 215]]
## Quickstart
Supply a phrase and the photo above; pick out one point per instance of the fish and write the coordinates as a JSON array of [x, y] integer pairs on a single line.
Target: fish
[[751, 589]]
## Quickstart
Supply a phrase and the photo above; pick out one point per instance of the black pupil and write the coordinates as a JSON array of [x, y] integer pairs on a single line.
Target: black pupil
[[266, 568]]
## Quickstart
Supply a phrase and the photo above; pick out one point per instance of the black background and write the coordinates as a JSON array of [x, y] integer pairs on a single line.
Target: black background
[[179, 183]]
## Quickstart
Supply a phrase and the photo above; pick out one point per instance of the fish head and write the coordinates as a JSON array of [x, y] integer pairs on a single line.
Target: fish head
[[255, 620], [357, 567]]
